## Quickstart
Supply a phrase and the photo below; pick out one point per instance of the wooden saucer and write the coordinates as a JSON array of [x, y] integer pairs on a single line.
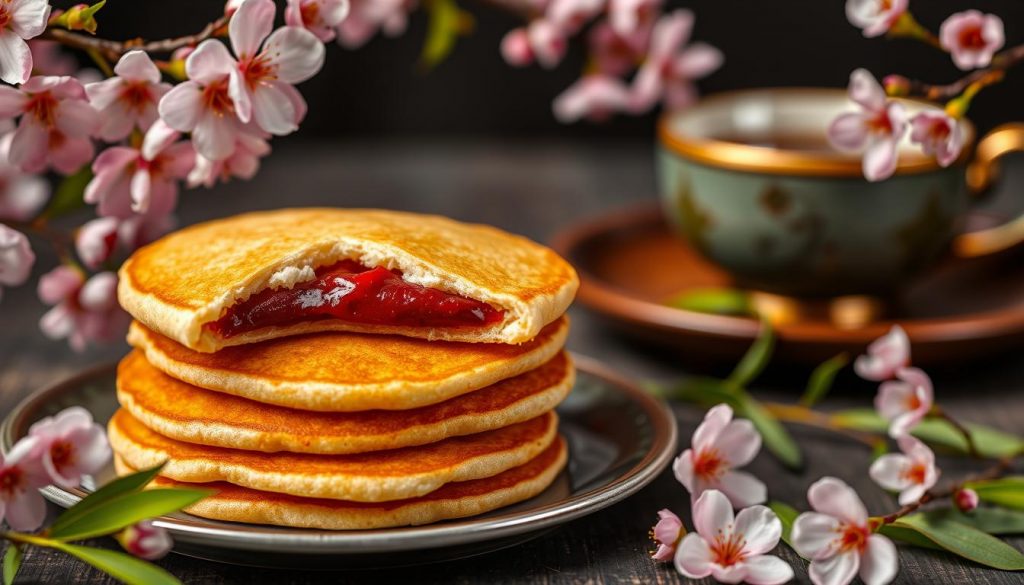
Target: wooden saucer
[[630, 263]]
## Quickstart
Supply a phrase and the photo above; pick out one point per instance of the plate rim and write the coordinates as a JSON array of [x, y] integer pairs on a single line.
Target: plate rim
[[248, 537], [607, 299]]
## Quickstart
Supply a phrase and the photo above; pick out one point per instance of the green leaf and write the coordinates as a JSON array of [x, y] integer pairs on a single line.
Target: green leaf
[[990, 442], [1006, 491], [756, 358], [12, 562], [117, 488], [445, 24], [908, 536], [716, 301], [775, 436], [127, 509], [787, 514], [706, 392], [986, 519], [965, 541], [121, 566], [821, 379], [69, 195]]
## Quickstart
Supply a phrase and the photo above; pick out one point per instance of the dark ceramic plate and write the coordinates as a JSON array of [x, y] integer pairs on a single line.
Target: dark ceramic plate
[[620, 438], [630, 262]]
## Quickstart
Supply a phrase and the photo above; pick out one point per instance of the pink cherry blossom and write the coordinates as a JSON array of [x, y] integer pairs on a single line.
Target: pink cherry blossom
[[593, 96], [569, 16], [21, 195], [269, 65], [837, 538], [966, 499], [242, 164], [202, 105], [56, 123], [939, 134], [912, 473], [16, 257], [516, 49], [146, 541], [96, 240], [877, 128], [666, 534], [366, 17], [70, 445], [617, 54], [20, 20], [21, 504], [904, 402], [875, 17], [972, 38], [885, 356], [320, 17], [127, 181], [719, 446], [629, 16], [49, 59], [128, 99], [85, 310], [672, 65], [732, 548]]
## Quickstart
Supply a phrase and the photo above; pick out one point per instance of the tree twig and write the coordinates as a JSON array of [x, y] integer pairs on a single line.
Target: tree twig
[[1000, 63], [993, 472], [113, 50]]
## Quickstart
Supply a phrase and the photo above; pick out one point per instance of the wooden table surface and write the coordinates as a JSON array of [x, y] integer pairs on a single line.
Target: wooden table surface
[[534, 189]]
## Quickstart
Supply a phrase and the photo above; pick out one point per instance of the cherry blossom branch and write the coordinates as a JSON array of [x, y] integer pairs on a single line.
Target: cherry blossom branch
[[993, 472], [1000, 64], [113, 50], [972, 447]]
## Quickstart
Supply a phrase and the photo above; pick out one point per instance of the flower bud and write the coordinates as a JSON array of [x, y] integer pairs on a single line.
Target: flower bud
[[896, 85], [515, 48], [78, 17], [966, 499], [146, 541]]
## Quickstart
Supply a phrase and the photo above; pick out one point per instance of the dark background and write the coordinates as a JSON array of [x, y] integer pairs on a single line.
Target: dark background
[[377, 91]]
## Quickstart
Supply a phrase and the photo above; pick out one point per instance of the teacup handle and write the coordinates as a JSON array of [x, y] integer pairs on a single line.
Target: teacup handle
[[982, 173]]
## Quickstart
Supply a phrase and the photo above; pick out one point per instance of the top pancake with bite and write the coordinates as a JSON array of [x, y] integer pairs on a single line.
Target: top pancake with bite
[[265, 275]]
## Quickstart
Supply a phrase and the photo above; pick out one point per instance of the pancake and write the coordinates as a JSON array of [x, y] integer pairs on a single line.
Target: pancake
[[365, 477], [187, 280], [184, 412], [349, 371], [453, 500]]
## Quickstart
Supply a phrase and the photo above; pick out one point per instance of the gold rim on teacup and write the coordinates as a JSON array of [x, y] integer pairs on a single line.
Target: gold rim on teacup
[[780, 161]]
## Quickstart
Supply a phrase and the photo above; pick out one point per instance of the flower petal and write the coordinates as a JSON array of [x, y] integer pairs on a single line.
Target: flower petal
[[760, 529], [837, 570], [698, 60], [848, 131], [180, 108], [739, 442], [879, 563], [742, 488], [26, 510], [273, 110], [767, 570], [833, 497], [866, 91], [12, 102], [214, 136], [210, 62], [77, 118], [888, 471], [712, 513], [137, 66], [28, 17], [15, 58], [693, 557], [296, 52], [141, 189], [251, 24], [714, 422], [29, 145], [682, 467], [880, 160]]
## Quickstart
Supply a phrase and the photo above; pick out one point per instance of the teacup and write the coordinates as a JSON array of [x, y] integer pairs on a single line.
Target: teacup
[[750, 180]]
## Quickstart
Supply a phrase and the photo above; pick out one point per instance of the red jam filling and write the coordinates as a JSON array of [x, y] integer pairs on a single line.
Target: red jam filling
[[352, 292]]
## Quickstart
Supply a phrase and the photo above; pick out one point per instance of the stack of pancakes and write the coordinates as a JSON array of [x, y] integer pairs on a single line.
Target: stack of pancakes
[[372, 418]]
